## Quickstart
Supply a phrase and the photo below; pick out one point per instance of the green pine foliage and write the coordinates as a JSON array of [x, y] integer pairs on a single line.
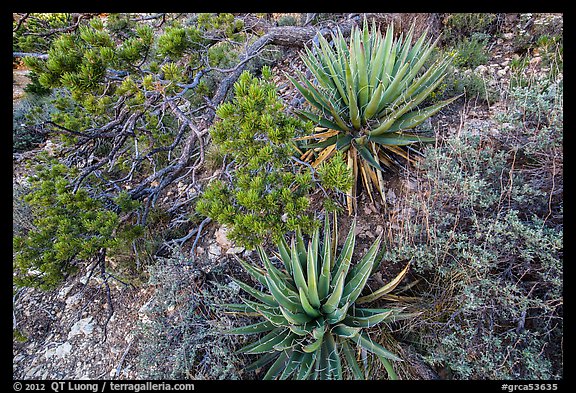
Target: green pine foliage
[[335, 174], [69, 227], [29, 38], [266, 193]]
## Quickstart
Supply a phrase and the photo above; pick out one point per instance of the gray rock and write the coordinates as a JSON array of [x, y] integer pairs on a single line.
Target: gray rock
[[235, 250], [85, 326], [60, 351]]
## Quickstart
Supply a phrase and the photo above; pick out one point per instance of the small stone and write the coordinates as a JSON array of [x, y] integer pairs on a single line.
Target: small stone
[[410, 185], [222, 238], [214, 251], [64, 292], [74, 299], [85, 326], [391, 196], [508, 36], [60, 351], [235, 250], [367, 210], [535, 60], [379, 230], [481, 69]]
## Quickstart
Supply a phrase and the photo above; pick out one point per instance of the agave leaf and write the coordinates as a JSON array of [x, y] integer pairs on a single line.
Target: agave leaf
[[365, 179], [343, 141], [439, 71], [407, 106], [371, 346], [371, 174], [369, 321], [322, 363], [324, 279], [324, 102], [293, 363], [269, 313], [404, 48], [368, 312], [336, 70], [338, 314], [385, 289], [421, 60], [324, 155], [415, 118], [332, 302], [391, 49], [312, 276], [238, 308], [353, 100], [318, 68], [313, 346], [382, 50], [321, 102], [321, 120], [334, 239], [284, 297], [284, 254], [308, 95], [328, 142], [366, 155], [359, 274], [262, 361], [334, 364], [303, 330], [380, 178], [297, 318], [297, 271], [259, 327], [306, 366], [396, 139], [263, 297], [265, 343], [393, 90], [287, 343], [300, 247], [324, 134], [345, 331], [277, 366], [360, 55], [351, 193], [281, 278], [342, 263], [308, 308], [372, 105], [255, 272], [431, 75], [416, 49], [388, 367], [341, 48], [351, 360]]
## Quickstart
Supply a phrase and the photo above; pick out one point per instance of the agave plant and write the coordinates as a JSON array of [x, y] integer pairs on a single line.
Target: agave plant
[[312, 313], [366, 98]]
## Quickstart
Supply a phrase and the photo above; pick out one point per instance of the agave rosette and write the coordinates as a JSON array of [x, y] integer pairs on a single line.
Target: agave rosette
[[366, 97], [312, 315]]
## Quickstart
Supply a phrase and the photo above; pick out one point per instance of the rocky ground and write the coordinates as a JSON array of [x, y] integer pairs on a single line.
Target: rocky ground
[[62, 334]]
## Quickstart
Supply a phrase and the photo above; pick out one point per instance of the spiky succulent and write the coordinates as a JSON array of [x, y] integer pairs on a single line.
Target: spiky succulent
[[312, 317], [366, 96]]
